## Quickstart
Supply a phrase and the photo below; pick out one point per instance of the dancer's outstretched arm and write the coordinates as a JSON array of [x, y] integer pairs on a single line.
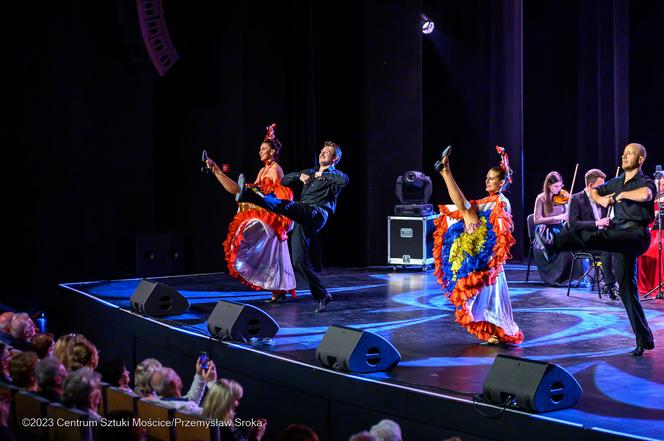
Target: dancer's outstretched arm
[[229, 184], [470, 217]]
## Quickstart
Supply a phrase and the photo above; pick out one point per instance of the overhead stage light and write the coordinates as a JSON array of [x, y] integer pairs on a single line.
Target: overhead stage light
[[427, 25]]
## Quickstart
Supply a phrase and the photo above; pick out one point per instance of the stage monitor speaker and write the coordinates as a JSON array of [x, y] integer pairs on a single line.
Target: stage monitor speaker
[[354, 350], [156, 299], [536, 386], [238, 321]]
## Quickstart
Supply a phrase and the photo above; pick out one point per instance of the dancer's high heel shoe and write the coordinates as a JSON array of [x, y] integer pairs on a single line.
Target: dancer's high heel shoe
[[493, 340], [276, 296]]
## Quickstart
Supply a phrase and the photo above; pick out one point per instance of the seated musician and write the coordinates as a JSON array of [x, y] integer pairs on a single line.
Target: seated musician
[[585, 214]]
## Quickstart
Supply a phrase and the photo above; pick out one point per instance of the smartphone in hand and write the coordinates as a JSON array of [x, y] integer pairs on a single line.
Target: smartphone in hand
[[204, 360]]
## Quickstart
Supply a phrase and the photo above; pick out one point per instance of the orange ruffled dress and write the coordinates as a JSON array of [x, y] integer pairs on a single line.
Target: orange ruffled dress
[[256, 246], [469, 266]]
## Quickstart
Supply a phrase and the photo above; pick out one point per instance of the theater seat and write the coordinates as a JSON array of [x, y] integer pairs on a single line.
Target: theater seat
[[192, 428], [149, 410]]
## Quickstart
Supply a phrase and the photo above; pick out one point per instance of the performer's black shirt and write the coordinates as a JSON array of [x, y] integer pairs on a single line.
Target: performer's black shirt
[[322, 191], [626, 210]]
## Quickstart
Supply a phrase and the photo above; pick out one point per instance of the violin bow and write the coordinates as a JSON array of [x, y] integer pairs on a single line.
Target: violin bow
[[571, 189]]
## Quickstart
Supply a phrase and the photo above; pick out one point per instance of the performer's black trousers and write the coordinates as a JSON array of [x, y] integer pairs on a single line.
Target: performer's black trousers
[[627, 245], [309, 220]]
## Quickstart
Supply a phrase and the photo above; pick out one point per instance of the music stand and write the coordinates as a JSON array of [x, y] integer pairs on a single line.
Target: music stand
[[660, 283]]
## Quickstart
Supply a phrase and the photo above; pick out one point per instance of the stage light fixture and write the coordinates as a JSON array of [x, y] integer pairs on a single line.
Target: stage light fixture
[[427, 25], [413, 187]]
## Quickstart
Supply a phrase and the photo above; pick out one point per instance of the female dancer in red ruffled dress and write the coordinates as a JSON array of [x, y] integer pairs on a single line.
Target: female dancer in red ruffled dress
[[471, 244], [256, 246]]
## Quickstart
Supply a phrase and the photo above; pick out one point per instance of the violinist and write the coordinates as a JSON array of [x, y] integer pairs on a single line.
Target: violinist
[[550, 215], [586, 215]]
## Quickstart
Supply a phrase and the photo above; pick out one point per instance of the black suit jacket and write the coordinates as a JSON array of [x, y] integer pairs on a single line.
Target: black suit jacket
[[581, 216]]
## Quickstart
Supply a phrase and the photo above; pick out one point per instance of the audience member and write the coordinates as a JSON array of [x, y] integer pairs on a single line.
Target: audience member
[[22, 370], [4, 364], [83, 354], [168, 386], [43, 345], [65, 344], [298, 432], [386, 430], [5, 433], [115, 373], [5, 321], [221, 404], [51, 375], [82, 391], [22, 330], [143, 376]]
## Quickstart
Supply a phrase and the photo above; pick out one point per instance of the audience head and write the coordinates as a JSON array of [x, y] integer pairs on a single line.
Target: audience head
[[115, 372], [81, 390], [386, 430], [64, 346], [298, 432], [143, 376], [50, 374], [83, 354], [166, 383], [4, 361], [363, 436], [5, 321], [222, 400], [22, 328], [22, 370], [43, 344]]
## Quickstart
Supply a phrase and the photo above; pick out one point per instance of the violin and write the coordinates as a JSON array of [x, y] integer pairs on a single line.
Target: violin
[[561, 198]]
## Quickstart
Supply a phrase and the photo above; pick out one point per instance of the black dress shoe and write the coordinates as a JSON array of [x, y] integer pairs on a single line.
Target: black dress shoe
[[614, 294], [639, 349], [322, 303]]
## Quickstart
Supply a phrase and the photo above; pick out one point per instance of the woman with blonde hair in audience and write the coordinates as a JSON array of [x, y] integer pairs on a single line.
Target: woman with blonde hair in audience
[[143, 375], [221, 403], [64, 346]]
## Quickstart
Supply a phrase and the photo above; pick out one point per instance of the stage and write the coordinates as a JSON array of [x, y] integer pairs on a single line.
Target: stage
[[430, 392]]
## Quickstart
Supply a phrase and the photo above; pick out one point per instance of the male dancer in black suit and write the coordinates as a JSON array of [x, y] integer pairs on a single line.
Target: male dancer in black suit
[[317, 203], [632, 194], [586, 215]]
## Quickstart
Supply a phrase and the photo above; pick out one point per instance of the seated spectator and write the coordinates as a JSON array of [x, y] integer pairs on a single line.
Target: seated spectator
[[221, 403], [168, 386], [51, 375], [5, 320], [298, 432], [82, 391], [143, 376], [5, 401], [83, 354], [22, 330], [4, 364], [363, 436], [386, 430], [64, 346], [43, 345], [22, 370], [115, 373]]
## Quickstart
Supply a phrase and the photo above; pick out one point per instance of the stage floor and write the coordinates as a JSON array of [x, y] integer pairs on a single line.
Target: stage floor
[[588, 336]]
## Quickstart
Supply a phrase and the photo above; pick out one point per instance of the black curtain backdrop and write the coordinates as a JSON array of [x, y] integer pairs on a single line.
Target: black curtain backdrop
[[97, 150]]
